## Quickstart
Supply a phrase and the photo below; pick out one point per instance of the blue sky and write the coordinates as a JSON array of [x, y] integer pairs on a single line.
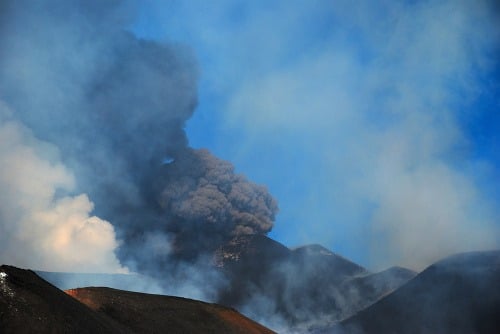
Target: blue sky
[[374, 125]]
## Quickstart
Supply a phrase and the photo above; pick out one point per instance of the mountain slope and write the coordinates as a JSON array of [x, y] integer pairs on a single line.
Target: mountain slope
[[129, 282], [300, 287], [362, 291], [459, 294], [28, 304], [267, 281], [146, 313]]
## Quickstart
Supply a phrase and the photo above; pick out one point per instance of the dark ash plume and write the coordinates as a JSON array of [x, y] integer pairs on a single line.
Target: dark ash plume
[[115, 106], [204, 196]]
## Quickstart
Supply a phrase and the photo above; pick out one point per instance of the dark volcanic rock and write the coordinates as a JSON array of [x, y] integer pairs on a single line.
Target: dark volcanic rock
[[316, 258], [250, 251], [303, 286], [282, 287], [29, 304], [459, 294], [146, 313]]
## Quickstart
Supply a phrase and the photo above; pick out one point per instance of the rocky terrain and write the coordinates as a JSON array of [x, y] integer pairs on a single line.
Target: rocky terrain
[[459, 294], [296, 289], [301, 286], [146, 313], [29, 304], [309, 290]]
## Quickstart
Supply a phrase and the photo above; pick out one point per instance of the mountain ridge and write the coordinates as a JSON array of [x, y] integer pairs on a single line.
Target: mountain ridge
[[458, 294], [29, 304], [299, 286]]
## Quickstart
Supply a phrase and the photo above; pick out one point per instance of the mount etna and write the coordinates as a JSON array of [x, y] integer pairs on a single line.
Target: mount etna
[[100, 171], [304, 290], [287, 289]]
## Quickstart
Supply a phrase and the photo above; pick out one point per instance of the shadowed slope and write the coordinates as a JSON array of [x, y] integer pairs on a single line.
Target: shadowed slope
[[302, 286], [29, 304], [362, 291], [146, 313], [459, 294]]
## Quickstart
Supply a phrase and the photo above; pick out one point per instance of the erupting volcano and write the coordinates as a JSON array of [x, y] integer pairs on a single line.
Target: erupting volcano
[[354, 116]]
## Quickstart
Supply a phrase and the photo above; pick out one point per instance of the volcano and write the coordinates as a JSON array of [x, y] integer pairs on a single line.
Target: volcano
[[301, 286], [266, 280], [305, 290]]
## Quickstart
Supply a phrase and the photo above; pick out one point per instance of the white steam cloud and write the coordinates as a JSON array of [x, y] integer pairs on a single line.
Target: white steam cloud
[[40, 229]]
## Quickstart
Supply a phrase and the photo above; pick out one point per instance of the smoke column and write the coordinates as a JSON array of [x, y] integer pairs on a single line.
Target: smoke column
[[113, 108]]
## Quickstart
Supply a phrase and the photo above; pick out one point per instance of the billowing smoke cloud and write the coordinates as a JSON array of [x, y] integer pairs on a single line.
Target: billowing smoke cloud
[[204, 191], [115, 107], [39, 229]]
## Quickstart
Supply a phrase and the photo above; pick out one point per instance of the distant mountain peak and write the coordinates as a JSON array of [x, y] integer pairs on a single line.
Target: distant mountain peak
[[471, 260], [458, 294], [248, 246], [314, 249]]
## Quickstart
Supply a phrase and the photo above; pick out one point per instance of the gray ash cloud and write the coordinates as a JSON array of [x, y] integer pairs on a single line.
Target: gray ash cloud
[[115, 106], [204, 193]]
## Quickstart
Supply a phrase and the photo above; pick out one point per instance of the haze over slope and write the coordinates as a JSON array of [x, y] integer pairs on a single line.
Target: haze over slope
[[288, 290], [458, 294]]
